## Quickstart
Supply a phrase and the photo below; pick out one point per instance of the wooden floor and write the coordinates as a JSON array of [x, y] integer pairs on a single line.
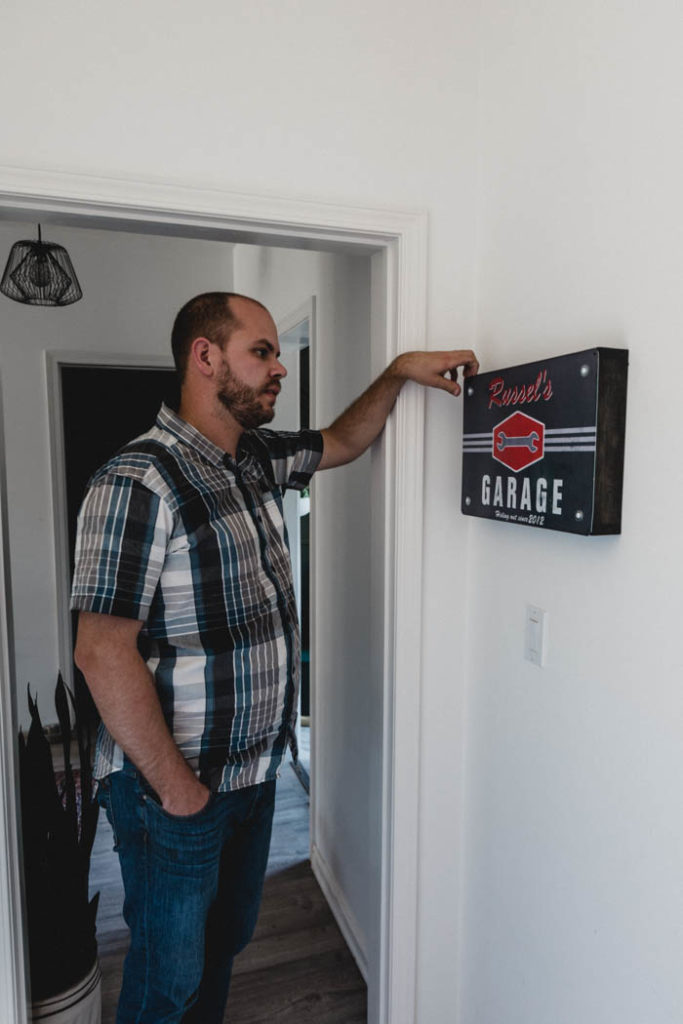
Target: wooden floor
[[297, 969]]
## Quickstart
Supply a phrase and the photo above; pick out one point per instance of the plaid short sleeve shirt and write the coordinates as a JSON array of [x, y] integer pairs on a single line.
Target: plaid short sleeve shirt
[[175, 532]]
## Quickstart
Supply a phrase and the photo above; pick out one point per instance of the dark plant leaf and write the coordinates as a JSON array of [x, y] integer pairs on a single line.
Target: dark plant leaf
[[57, 842], [62, 706], [43, 803]]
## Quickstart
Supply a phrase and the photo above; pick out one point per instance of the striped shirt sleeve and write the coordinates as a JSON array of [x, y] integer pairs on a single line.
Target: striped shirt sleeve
[[123, 529], [294, 455]]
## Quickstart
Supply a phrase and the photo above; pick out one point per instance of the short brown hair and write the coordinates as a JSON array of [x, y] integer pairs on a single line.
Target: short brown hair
[[209, 315]]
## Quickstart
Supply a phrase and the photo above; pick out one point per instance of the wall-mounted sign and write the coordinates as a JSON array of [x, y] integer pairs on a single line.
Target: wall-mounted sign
[[543, 443]]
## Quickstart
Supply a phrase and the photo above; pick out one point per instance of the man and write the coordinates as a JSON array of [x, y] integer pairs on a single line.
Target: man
[[188, 640]]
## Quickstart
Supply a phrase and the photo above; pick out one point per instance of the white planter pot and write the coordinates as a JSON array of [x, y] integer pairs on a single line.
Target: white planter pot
[[81, 1004]]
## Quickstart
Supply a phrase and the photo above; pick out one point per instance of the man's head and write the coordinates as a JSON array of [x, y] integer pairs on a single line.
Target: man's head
[[210, 315], [225, 345]]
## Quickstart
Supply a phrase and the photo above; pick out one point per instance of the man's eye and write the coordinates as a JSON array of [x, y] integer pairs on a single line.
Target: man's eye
[[261, 352]]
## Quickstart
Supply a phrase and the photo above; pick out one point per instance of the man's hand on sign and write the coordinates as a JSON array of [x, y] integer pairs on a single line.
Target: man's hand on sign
[[436, 369]]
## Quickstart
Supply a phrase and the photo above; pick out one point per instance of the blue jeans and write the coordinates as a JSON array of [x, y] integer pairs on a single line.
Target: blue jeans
[[192, 894]]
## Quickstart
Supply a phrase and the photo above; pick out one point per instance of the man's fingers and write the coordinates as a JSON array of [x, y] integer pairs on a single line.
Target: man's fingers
[[448, 384], [467, 359]]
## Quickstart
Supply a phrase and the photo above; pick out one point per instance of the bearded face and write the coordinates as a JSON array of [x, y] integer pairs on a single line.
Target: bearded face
[[250, 406]]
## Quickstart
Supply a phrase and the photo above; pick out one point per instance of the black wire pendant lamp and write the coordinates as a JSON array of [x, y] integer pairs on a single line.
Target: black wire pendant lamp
[[40, 274]]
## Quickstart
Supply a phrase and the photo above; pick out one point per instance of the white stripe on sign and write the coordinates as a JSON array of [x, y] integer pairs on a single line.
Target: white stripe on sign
[[571, 430], [570, 448], [552, 442]]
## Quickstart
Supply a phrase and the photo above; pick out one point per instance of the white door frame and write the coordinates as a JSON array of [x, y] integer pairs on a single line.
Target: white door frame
[[159, 208], [12, 938], [306, 311]]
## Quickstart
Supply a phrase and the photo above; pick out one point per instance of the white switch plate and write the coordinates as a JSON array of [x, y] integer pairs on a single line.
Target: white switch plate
[[535, 642]]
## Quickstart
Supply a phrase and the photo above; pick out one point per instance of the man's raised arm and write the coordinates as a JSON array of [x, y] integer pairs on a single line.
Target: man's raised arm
[[124, 692], [356, 429]]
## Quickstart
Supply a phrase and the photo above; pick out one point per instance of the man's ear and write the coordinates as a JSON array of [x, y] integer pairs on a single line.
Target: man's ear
[[202, 356]]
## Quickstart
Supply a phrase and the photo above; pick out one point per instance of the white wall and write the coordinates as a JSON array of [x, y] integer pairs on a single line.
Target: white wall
[[348, 695], [574, 829], [133, 285]]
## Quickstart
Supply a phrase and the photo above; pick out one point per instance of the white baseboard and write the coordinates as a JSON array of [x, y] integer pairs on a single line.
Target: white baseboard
[[339, 906]]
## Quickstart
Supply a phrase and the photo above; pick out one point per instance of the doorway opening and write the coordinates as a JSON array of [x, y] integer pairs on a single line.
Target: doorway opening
[[95, 423], [396, 244]]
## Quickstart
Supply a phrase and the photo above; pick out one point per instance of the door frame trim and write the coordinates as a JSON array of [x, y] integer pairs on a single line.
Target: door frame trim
[[158, 207], [13, 954], [307, 310]]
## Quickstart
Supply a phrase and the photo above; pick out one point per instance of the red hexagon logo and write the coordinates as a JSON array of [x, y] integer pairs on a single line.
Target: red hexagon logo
[[518, 441]]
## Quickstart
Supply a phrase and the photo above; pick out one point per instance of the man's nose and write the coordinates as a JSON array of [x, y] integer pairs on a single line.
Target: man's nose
[[279, 370]]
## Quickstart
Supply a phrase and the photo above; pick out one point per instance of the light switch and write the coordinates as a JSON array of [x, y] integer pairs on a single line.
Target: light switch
[[535, 637]]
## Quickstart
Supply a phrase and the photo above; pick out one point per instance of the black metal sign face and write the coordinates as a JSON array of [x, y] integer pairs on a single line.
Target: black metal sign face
[[543, 443]]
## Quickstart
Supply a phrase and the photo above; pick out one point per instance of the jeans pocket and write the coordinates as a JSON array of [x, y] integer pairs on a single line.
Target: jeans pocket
[[182, 843], [151, 800]]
